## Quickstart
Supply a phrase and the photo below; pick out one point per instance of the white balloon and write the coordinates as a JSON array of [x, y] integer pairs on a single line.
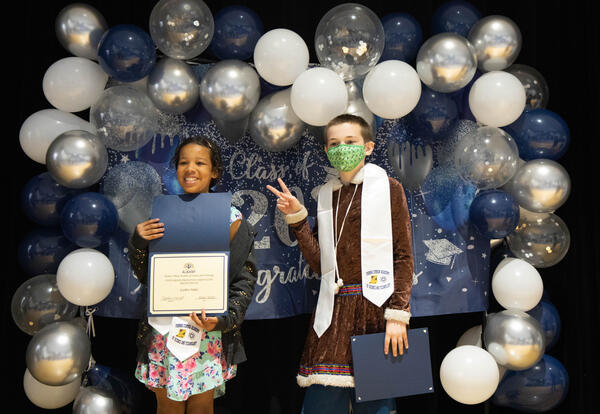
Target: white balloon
[[280, 55], [472, 336], [73, 84], [469, 374], [318, 96], [42, 127], [392, 89], [85, 277], [48, 396], [517, 284], [497, 98]]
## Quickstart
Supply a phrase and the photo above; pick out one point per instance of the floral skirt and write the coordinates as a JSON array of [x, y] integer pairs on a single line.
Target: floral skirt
[[203, 371]]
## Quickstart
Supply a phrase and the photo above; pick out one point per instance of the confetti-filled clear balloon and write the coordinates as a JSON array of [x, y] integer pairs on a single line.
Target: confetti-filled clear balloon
[[514, 338], [77, 159], [536, 87], [38, 303], [349, 40], [172, 86], [79, 28], [230, 90], [95, 400], [124, 118], [541, 239], [132, 186], [541, 186], [446, 62], [497, 42], [487, 157], [181, 29], [273, 124], [58, 354]]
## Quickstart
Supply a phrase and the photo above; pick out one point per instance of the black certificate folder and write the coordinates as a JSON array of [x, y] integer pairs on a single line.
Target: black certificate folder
[[378, 376]]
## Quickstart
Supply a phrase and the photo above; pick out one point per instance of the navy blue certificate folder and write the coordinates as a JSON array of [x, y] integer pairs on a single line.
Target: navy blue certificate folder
[[378, 376], [196, 236]]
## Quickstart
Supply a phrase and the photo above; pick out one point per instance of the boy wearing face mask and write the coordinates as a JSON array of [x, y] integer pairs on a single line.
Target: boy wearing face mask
[[362, 249]]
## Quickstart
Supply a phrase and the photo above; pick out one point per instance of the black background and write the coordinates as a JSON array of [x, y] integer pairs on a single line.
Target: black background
[[560, 38]]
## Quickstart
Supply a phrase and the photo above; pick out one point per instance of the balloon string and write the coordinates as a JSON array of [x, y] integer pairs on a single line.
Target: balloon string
[[89, 312]]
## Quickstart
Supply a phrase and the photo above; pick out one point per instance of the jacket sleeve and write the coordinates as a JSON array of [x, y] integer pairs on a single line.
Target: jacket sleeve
[[241, 287], [399, 303], [138, 256], [308, 239]]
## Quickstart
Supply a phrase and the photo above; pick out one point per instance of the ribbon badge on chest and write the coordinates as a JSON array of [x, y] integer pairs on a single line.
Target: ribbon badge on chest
[[184, 337]]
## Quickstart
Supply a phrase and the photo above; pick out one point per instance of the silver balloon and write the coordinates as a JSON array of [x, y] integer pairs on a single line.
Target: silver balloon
[[181, 29], [446, 62], [541, 186], [77, 159], [230, 90], [125, 118], [514, 338], [273, 124], [38, 302], [541, 239], [497, 42], [131, 187], [79, 28], [536, 88], [233, 131], [58, 354], [357, 106], [95, 400], [172, 86], [349, 40], [487, 157]]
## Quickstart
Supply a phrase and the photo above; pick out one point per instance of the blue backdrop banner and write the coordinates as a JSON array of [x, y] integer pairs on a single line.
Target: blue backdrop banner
[[451, 272]]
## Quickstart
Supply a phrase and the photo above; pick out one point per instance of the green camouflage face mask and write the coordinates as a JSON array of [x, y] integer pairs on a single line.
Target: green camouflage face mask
[[344, 157]]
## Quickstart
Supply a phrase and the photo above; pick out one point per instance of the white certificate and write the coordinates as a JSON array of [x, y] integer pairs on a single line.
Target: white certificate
[[182, 283]]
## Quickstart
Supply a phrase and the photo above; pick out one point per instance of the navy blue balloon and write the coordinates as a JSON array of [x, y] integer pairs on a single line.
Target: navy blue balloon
[[455, 16], [237, 30], [89, 219], [461, 97], [540, 133], [439, 188], [534, 390], [434, 116], [547, 315], [494, 213], [403, 37], [126, 53], [42, 199], [41, 251], [461, 203]]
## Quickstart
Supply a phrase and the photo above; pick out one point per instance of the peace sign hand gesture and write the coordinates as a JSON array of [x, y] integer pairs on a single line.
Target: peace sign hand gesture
[[287, 203]]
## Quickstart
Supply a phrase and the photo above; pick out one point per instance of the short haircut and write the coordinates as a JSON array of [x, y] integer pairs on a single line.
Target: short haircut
[[365, 129], [215, 154]]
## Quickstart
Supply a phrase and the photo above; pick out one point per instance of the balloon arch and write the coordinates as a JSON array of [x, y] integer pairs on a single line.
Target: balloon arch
[[465, 129]]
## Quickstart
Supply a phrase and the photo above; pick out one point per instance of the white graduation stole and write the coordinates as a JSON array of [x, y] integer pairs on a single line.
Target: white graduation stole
[[184, 336], [377, 260]]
